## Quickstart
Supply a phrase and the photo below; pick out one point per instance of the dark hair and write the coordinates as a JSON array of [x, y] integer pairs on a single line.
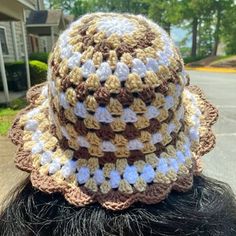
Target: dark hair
[[209, 208]]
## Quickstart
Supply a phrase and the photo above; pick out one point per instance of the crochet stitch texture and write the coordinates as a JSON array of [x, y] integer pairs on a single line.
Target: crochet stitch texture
[[116, 122]]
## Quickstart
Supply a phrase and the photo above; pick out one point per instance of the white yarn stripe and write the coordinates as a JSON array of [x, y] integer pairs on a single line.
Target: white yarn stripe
[[116, 25], [130, 174], [120, 26], [129, 116]]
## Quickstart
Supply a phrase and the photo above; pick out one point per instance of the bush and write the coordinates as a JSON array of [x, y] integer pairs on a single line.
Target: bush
[[39, 56], [38, 72], [18, 103], [192, 59], [16, 74]]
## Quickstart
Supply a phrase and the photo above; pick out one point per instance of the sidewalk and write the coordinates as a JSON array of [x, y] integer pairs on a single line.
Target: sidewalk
[[12, 96], [9, 174]]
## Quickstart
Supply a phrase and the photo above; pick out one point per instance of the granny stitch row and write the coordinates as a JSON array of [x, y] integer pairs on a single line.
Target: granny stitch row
[[51, 184], [120, 175], [163, 55]]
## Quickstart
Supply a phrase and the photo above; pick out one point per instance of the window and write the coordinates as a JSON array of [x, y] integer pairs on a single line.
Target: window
[[3, 41], [21, 45], [44, 45], [34, 43]]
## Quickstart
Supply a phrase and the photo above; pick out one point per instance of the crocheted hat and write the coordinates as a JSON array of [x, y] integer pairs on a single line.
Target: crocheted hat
[[116, 122]]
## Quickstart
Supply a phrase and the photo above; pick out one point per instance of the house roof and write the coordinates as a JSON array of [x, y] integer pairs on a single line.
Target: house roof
[[51, 17], [42, 22], [27, 3], [12, 10]]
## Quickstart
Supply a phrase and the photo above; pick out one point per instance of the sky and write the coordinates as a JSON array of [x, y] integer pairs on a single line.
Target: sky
[[178, 34]]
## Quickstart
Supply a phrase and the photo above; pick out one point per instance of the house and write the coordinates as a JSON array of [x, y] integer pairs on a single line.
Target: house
[[26, 27], [43, 28], [11, 32]]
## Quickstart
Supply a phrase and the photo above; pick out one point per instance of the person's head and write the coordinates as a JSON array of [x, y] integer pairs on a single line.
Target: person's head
[[116, 126], [208, 209]]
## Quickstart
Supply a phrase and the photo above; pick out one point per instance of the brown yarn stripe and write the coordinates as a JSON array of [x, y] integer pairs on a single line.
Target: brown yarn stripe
[[106, 133], [110, 157], [125, 97]]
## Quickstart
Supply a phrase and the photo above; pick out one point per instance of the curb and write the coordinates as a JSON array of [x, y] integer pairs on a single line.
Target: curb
[[212, 69]]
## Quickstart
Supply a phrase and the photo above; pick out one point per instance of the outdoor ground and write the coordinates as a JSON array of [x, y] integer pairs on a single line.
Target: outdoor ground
[[7, 115], [220, 88], [12, 95], [216, 61], [9, 175], [220, 163]]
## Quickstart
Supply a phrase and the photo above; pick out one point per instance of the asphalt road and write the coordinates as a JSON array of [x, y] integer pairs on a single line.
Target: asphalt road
[[220, 89]]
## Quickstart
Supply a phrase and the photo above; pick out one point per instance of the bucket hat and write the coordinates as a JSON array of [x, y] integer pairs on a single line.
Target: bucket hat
[[116, 122]]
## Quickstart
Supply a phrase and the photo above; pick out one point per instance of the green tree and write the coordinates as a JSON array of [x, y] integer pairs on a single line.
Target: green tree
[[222, 11], [229, 30], [75, 7], [164, 12], [80, 7], [130, 6], [194, 11], [205, 36], [209, 21]]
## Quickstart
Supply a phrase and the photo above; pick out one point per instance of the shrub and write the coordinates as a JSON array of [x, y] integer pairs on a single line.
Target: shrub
[[18, 103], [16, 74], [39, 56], [192, 59], [38, 72]]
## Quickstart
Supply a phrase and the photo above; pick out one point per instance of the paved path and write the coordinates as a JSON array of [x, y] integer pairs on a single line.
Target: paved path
[[9, 175], [12, 96], [220, 163], [220, 89]]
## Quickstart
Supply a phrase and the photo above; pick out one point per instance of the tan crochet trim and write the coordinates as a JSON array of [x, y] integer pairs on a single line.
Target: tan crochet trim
[[207, 138], [115, 200], [33, 92]]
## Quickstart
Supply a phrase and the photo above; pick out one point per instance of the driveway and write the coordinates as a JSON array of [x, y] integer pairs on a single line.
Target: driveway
[[220, 89]]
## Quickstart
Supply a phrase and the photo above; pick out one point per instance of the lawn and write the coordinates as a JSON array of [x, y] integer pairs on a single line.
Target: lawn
[[7, 115]]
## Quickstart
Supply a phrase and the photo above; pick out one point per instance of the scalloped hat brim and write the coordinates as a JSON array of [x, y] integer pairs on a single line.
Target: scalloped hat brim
[[114, 200]]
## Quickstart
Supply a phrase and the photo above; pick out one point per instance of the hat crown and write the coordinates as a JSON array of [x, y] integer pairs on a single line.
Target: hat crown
[[114, 76]]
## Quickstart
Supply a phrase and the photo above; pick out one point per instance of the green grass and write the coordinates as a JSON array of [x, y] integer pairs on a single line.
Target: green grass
[[7, 116], [222, 58]]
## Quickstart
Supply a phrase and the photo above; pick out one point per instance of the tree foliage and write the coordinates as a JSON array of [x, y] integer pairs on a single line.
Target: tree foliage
[[209, 21], [228, 29]]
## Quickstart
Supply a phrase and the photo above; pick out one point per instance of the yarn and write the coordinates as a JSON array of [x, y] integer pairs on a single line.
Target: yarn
[[116, 122]]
